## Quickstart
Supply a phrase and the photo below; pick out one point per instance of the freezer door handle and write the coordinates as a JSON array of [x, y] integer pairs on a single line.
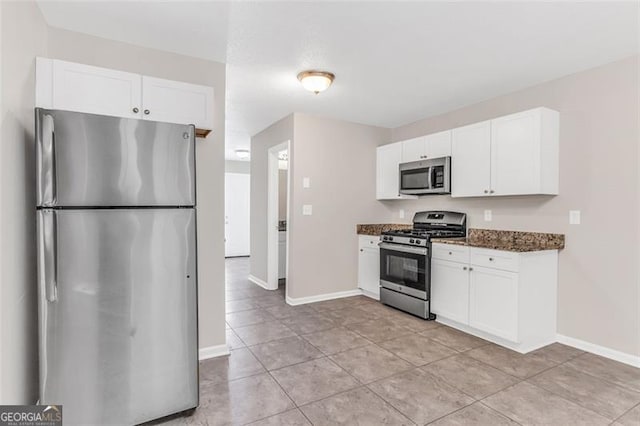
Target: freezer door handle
[[47, 162], [48, 254]]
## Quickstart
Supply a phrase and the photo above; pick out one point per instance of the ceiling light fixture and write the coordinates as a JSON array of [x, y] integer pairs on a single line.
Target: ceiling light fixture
[[242, 153], [316, 81]]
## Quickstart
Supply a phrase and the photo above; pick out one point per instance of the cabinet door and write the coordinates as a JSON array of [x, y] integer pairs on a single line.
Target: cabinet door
[[438, 144], [515, 153], [450, 290], [493, 302], [471, 160], [84, 88], [414, 149], [369, 270], [177, 102], [388, 175]]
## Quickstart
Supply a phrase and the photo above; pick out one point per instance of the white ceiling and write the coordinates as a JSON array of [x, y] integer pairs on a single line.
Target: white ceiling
[[395, 62]]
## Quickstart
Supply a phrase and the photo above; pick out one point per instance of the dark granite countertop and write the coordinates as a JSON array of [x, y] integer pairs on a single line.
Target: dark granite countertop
[[517, 241], [374, 229]]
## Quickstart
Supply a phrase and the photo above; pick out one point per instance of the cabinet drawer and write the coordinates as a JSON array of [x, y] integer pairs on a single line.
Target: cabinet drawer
[[450, 252], [368, 241], [504, 260]]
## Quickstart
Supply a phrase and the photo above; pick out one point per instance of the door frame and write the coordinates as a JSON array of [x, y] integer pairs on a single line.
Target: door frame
[[273, 176]]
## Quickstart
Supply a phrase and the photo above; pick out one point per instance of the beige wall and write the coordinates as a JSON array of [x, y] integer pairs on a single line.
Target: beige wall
[[233, 166], [339, 157], [599, 133], [23, 37], [279, 132]]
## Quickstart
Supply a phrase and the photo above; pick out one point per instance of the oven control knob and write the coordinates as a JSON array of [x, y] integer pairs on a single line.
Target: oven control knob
[[412, 241], [417, 241], [390, 239]]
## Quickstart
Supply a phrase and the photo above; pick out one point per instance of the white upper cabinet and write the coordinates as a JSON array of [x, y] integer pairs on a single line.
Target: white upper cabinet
[[389, 158], [425, 147], [512, 155], [177, 102], [438, 144], [471, 160], [414, 149], [524, 153], [84, 88]]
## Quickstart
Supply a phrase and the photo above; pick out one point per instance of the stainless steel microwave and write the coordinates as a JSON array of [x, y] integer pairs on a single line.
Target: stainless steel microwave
[[425, 177]]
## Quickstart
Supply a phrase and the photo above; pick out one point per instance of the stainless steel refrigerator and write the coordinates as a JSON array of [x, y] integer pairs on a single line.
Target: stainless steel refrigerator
[[117, 270]]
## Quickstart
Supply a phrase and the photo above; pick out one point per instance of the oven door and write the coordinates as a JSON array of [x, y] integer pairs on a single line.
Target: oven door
[[405, 269]]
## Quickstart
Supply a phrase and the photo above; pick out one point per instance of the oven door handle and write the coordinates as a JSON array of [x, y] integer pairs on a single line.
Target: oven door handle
[[404, 249]]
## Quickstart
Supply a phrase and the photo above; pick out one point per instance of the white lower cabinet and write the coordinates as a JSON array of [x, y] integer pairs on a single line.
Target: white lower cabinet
[[493, 296], [508, 298], [369, 265], [450, 290]]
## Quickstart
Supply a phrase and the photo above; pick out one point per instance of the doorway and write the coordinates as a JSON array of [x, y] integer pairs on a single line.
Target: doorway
[[278, 225], [236, 214]]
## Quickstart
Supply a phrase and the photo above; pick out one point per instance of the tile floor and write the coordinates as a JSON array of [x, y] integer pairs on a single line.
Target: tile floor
[[356, 362]]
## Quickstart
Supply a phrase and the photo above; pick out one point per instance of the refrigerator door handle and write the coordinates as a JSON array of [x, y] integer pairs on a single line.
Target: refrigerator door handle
[[48, 254], [47, 162]]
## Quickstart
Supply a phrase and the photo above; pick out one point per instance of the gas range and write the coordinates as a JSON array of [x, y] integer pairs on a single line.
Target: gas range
[[405, 260], [427, 225]]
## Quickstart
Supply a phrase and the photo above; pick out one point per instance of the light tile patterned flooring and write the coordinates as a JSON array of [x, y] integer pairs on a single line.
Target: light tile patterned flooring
[[354, 361]]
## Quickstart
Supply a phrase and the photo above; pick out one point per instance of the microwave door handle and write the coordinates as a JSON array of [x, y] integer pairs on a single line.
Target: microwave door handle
[[430, 181]]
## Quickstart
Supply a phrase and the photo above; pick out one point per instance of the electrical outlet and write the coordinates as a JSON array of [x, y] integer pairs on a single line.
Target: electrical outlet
[[574, 217], [401, 214], [306, 182], [488, 216], [307, 210]]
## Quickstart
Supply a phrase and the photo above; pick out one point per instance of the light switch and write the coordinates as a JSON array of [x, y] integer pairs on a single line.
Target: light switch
[[574, 217], [306, 183], [307, 209], [401, 214], [488, 216]]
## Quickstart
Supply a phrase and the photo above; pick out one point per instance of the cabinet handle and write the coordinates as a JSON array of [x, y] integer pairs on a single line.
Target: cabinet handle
[[470, 268], [491, 259], [136, 110], [486, 191], [464, 268], [147, 112], [492, 191], [450, 253], [361, 250]]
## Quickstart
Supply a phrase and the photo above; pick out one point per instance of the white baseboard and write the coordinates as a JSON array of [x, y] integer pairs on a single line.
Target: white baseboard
[[319, 298], [259, 282], [625, 358], [213, 351], [374, 296]]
